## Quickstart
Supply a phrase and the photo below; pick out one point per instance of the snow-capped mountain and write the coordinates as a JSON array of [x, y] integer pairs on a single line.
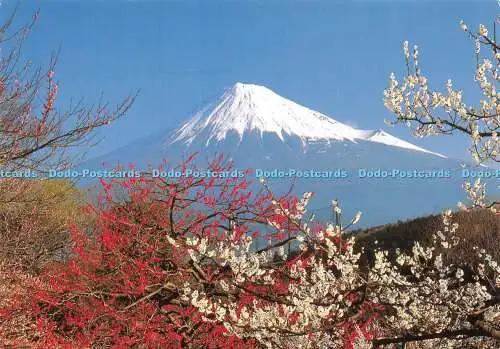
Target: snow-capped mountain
[[253, 108], [258, 129]]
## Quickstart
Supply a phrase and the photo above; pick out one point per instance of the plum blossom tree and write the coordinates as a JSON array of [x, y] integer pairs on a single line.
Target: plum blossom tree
[[431, 112], [36, 135]]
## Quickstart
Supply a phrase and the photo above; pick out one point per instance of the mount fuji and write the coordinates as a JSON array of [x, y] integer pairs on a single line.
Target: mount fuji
[[247, 108], [258, 129]]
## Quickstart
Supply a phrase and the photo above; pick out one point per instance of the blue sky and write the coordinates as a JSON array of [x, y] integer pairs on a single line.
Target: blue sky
[[331, 56]]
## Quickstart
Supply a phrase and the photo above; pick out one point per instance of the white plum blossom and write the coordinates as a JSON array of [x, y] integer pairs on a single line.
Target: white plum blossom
[[483, 31], [356, 218], [463, 25], [433, 297], [414, 103]]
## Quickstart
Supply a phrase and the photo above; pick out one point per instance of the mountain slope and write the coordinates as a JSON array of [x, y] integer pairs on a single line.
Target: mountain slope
[[253, 108]]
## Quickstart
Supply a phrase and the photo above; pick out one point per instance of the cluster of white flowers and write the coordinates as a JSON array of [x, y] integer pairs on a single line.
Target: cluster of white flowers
[[491, 263], [476, 192], [297, 299], [316, 290], [301, 206], [415, 104], [431, 296]]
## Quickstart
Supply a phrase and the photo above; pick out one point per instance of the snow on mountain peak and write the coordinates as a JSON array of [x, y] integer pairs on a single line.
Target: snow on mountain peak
[[248, 107], [254, 108]]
